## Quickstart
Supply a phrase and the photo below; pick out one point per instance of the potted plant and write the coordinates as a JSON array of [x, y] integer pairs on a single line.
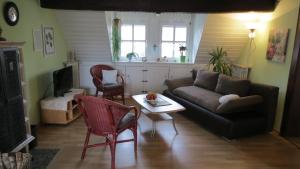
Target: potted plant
[[116, 39], [182, 49], [218, 61], [132, 55]]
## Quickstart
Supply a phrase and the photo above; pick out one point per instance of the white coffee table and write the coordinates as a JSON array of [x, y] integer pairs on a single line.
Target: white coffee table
[[158, 113]]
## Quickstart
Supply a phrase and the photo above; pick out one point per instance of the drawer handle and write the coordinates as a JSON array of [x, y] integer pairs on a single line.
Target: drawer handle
[[145, 81], [144, 70]]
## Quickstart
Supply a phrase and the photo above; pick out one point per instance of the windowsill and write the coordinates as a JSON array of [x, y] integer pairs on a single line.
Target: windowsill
[[152, 60], [163, 62]]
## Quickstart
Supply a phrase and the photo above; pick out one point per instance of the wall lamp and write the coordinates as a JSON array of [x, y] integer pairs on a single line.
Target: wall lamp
[[252, 26]]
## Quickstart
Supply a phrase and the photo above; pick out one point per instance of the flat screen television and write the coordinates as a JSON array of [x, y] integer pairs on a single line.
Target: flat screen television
[[62, 81]]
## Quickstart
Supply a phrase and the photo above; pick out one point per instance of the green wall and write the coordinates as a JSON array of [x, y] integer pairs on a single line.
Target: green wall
[[38, 69], [267, 72]]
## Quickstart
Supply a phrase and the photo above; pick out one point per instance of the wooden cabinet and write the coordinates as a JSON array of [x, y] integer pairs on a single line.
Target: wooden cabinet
[[61, 110], [15, 100]]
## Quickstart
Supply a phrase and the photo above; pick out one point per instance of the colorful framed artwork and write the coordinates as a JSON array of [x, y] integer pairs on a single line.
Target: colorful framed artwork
[[277, 45], [48, 36]]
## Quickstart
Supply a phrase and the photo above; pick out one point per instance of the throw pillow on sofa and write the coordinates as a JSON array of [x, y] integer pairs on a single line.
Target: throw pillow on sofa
[[227, 98], [206, 79], [228, 85]]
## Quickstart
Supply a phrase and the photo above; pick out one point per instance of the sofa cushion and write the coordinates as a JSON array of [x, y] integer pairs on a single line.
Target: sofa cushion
[[206, 79], [242, 104], [202, 97], [175, 83], [228, 85]]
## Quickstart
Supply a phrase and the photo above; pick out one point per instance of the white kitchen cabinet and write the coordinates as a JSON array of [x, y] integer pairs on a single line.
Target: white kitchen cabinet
[[140, 77], [156, 76], [134, 79]]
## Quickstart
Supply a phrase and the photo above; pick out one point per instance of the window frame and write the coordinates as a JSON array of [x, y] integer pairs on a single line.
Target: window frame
[[174, 26], [132, 24]]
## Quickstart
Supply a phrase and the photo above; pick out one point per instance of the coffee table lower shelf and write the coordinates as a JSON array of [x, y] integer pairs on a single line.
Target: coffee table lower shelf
[[155, 117]]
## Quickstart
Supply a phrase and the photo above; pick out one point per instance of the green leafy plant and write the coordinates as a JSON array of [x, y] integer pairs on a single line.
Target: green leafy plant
[[218, 61], [116, 39], [182, 49], [132, 55]]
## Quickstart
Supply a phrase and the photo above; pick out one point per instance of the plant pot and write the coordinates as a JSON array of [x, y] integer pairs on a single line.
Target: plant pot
[[182, 59]]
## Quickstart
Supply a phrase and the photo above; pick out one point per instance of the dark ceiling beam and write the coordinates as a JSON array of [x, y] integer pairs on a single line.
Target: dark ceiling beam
[[195, 6]]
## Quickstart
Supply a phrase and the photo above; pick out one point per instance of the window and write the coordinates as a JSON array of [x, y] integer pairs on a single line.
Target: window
[[172, 38], [133, 39]]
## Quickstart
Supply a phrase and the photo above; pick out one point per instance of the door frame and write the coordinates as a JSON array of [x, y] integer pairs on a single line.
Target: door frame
[[288, 113]]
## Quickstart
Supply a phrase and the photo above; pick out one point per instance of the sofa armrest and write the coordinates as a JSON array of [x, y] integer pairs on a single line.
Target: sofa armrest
[[175, 83], [242, 104]]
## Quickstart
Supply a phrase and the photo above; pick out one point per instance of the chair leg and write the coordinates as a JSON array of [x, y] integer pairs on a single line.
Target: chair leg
[[123, 98], [113, 144], [135, 140], [85, 144]]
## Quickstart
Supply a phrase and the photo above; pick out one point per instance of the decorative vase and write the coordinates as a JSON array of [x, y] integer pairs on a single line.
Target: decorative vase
[[182, 59]]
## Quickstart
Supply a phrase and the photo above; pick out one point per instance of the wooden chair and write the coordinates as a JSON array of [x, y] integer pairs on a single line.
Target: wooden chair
[[109, 90], [108, 119]]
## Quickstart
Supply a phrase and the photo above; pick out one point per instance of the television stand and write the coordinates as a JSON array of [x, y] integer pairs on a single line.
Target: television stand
[[61, 110], [69, 91]]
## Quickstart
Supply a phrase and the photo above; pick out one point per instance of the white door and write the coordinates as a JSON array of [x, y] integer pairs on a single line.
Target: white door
[[134, 79], [156, 76]]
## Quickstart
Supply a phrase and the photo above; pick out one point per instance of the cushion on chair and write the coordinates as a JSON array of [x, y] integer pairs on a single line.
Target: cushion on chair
[[206, 79], [203, 97], [109, 76], [126, 120], [228, 85], [110, 86]]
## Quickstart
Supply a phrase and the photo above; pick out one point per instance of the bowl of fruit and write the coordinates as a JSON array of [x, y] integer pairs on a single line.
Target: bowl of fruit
[[151, 97]]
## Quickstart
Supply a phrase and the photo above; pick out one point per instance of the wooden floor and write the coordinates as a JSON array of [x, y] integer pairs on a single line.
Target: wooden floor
[[193, 148], [295, 140]]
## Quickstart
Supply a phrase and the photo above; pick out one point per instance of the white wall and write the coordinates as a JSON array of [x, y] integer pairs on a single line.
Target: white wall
[[221, 30], [198, 22], [86, 33]]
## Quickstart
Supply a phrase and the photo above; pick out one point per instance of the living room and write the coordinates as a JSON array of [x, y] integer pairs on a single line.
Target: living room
[[169, 62]]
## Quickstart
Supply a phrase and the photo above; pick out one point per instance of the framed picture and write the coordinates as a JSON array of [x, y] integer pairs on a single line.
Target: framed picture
[[37, 40], [277, 45], [48, 36]]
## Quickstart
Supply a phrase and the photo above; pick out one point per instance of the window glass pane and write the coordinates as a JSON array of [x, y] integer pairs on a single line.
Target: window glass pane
[[139, 48], [126, 32], [167, 49], [139, 32], [167, 33], [126, 47], [176, 49], [180, 34]]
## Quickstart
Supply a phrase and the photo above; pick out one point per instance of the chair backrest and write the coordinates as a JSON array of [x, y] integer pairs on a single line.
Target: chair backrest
[[97, 115], [96, 70]]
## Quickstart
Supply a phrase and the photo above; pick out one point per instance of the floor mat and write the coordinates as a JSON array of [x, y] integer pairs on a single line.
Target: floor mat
[[42, 157]]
